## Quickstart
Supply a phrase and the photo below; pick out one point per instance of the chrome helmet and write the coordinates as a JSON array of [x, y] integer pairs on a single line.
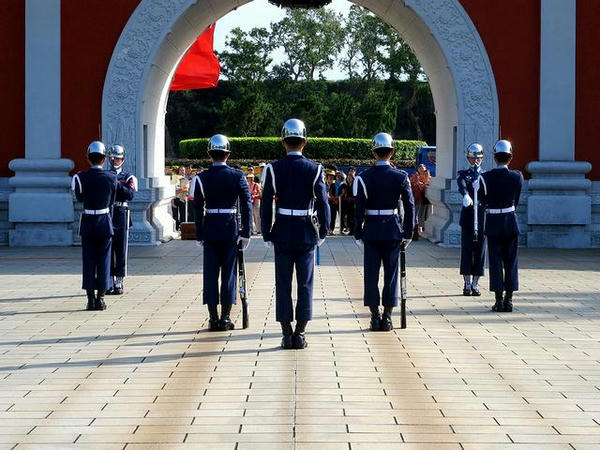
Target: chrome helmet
[[503, 146], [293, 128], [96, 147], [475, 150], [382, 140], [116, 151], [219, 143]]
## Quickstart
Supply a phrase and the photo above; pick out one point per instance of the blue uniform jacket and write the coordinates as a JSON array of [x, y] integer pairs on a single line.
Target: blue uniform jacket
[[465, 179], [501, 189], [383, 187], [295, 182], [126, 190], [97, 189], [220, 187]]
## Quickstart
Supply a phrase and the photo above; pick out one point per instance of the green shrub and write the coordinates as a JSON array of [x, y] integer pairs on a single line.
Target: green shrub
[[269, 148]]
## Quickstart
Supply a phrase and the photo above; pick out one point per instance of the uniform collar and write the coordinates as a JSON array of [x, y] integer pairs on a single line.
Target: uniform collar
[[219, 164], [502, 166], [382, 163], [119, 170], [98, 167], [294, 154]]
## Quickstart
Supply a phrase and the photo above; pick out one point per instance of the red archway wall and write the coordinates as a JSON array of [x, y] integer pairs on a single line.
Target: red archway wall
[[12, 84], [89, 36]]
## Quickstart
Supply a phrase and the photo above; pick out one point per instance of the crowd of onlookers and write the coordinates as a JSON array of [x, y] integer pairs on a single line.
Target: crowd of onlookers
[[339, 188]]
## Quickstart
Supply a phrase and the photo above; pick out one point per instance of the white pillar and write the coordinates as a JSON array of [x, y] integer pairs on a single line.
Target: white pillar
[[41, 208], [559, 204]]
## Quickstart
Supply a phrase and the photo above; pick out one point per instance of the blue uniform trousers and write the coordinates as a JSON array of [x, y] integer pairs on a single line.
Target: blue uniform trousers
[[472, 254], [219, 256], [376, 253], [96, 262], [302, 257], [504, 275], [118, 267]]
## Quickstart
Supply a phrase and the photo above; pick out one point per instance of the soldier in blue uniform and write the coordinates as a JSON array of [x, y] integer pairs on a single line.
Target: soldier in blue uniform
[[501, 192], [298, 186], [218, 193], [96, 188], [128, 186], [378, 193], [472, 256]]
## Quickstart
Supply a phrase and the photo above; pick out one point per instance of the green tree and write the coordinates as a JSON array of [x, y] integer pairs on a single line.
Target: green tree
[[364, 44], [248, 55], [311, 41]]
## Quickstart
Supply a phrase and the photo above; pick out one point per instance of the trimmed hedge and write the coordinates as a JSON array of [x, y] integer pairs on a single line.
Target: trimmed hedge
[[269, 148], [234, 162]]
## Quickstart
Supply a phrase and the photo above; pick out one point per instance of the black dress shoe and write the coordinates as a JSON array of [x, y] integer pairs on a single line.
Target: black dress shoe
[[287, 342], [117, 291], [498, 307], [466, 291], [508, 306], [226, 323], [99, 304], [299, 336], [375, 318], [475, 291], [111, 291], [386, 319], [91, 303], [213, 318]]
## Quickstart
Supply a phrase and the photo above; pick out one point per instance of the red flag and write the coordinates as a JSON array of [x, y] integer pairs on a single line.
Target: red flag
[[199, 68]]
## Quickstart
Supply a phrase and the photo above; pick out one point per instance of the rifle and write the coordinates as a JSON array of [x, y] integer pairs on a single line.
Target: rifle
[[476, 209], [242, 286], [402, 286]]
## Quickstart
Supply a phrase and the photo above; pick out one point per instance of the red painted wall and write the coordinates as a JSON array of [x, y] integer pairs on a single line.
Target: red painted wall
[[88, 40], [587, 125], [12, 87], [512, 41]]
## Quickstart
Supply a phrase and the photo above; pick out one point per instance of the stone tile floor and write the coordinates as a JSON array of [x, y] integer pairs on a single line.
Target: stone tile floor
[[145, 373]]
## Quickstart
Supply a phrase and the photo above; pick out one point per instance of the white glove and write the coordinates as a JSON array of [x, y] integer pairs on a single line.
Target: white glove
[[320, 242], [406, 242], [467, 201], [199, 244], [268, 244], [245, 242], [359, 242]]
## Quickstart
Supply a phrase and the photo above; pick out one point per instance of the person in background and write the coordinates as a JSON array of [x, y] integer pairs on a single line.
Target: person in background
[[255, 195], [419, 182], [332, 198], [181, 191], [348, 202], [341, 190]]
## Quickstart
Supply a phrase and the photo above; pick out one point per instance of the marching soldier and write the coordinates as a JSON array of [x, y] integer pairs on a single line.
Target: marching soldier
[[217, 193], [501, 192], [299, 188], [472, 256], [378, 193], [128, 186], [96, 188]]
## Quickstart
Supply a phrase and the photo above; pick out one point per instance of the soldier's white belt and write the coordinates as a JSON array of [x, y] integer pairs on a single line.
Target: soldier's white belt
[[501, 211], [221, 211], [381, 212], [294, 212], [123, 204], [96, 212]]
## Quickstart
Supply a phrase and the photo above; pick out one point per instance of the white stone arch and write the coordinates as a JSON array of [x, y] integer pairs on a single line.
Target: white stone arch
[[159, 32]]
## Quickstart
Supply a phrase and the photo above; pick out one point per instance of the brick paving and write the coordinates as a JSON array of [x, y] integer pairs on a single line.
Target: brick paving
[[145, 373]]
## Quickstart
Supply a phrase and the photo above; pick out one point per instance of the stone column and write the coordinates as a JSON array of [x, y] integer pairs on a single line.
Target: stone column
[[559, 203], [41, 207]]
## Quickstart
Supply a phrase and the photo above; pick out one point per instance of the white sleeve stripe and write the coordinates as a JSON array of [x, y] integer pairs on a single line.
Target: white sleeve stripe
[[317, 175], [192, 187], [270, 169], [484, 185], [135, 181], [201, 186], [78, 181], [359, 179]]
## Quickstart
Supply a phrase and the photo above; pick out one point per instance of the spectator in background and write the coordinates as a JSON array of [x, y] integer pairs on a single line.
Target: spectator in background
[[255, 196], [190, 174], [341, 189], [348, 202], [332, 198], [419, 182], [181, 193]]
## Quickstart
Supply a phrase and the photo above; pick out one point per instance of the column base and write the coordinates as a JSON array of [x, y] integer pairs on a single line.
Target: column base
[[40, 235], [559, 213]]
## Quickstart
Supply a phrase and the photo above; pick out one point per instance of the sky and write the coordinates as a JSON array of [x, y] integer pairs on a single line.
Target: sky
[[260, 13]]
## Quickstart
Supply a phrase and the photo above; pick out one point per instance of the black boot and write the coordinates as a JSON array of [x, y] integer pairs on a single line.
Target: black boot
[[508, 306], [299, 337], [118, 286], [226, 324], [498, 305], [386, 319], [287, 342], [91, 299], [111, 289], [99, 304], [467, 290], [213, 318], [375, 318]]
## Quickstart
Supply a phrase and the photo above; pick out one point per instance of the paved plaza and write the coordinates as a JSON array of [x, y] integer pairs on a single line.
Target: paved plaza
[[146, 374]]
